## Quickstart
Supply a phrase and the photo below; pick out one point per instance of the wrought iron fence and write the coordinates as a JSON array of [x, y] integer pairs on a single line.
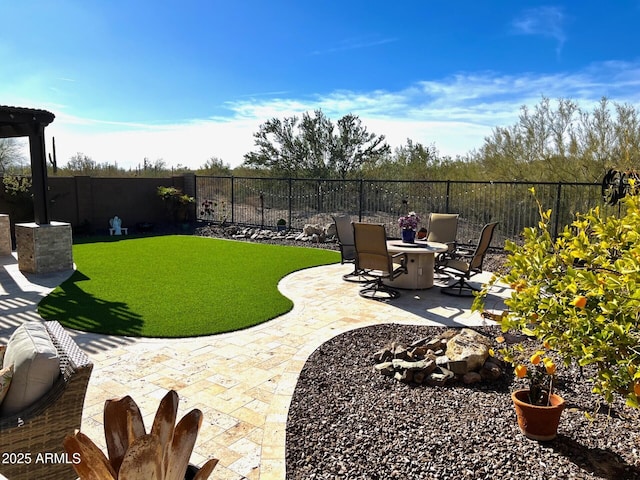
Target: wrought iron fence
[[264, 201]]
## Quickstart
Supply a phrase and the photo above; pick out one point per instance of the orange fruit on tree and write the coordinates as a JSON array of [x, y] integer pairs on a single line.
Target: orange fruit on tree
[[521, 371], [580, 301], [636, 389], [550, 367]]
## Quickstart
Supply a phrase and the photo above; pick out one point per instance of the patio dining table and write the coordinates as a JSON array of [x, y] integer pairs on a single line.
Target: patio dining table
[[420, 263]]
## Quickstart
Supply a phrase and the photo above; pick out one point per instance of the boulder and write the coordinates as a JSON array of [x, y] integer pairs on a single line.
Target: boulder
[[469, 346], [310, 229], [490, 371], [439, 377], [471, 378]]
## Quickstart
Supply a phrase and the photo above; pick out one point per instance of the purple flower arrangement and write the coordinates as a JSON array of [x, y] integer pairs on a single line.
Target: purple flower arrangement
[[409, 222]]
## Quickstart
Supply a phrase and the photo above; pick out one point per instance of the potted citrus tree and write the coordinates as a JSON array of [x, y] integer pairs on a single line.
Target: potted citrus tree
[[538, 408], [579, 294]]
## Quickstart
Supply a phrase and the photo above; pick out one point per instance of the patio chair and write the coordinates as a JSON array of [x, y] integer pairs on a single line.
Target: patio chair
[[344, 231], [443, 228], [41, 427], [372, 255], [465, 268]]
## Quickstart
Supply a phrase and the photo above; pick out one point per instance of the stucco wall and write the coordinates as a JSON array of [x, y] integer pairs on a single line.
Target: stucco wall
[[89, 202]]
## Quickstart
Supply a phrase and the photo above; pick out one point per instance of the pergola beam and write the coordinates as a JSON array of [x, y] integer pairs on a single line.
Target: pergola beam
[[28, 122]]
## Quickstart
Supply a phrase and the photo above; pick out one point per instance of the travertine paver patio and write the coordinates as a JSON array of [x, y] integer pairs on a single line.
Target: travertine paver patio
[[242, 381]]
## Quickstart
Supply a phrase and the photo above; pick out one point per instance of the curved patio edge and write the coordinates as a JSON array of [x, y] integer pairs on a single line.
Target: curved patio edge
[[326, 306]]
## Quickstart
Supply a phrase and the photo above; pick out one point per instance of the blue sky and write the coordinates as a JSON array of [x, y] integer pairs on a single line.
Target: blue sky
[[192, 79]]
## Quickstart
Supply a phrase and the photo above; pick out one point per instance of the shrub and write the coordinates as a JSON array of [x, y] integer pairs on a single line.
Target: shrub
[[177, 202], [580, 294]]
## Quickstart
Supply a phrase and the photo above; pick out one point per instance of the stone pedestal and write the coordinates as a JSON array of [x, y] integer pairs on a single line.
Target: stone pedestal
[[5, 235], [44, 248]]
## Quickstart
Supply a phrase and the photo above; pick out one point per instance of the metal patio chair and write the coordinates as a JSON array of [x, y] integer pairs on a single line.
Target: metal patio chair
[[465, 268], [443, 228], [344, 231], [372, 255]]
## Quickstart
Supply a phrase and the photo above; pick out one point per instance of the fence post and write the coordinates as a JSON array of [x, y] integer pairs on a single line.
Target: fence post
[[446, 198], [290, 182], [360, 199], [261, 209], [233, 203], [557, 210]]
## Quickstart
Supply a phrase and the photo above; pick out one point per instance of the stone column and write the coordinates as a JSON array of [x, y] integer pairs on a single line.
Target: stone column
[[44, 248], [5, 235]]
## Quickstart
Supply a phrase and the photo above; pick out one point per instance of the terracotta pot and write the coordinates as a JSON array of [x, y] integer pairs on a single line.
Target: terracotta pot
[[537, 422]]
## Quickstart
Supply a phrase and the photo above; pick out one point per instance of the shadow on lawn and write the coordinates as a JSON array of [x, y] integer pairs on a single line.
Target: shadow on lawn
[[74, 308]]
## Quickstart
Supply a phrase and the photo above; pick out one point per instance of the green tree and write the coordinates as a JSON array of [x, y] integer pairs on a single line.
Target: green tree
[[578, 294], [214, 166], [81, 164], [415, 161], [353, 147], [313, 147], [561, 142]]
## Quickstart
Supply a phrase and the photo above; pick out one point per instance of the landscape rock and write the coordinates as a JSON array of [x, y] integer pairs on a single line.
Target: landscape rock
[[439, 377], [469, 346], [419, 363], [310, 230], [490, 371], [471, 378]]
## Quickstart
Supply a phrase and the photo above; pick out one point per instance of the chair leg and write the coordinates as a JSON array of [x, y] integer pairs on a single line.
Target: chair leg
[[377, 290], [357, 276], [461, 288]]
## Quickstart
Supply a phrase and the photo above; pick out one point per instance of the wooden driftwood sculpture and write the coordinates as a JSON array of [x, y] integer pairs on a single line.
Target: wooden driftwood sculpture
[[162, 454]]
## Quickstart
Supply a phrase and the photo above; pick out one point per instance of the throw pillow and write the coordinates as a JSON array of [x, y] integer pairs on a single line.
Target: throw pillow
[[5, 380], [36, 366]]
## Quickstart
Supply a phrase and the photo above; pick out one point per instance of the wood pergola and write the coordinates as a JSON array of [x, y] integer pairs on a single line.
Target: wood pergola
[[29, 122]]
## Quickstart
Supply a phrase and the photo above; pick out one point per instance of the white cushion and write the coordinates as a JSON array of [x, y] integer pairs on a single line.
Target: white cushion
[[5, 381], [36, 366]]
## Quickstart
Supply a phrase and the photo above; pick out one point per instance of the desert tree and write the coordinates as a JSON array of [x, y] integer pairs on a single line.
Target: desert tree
[[11, 154], [313, 147]]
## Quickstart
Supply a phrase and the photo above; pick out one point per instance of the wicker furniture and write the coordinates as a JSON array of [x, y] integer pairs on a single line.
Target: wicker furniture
[[31, 440]]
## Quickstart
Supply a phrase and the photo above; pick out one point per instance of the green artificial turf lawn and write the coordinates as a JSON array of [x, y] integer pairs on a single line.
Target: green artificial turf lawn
[[176, 286]]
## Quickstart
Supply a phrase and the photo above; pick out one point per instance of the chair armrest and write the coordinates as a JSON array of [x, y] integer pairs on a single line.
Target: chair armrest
[[400, 255]]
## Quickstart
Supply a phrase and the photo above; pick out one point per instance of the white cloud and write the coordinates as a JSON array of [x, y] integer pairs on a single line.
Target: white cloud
[[355, 44], [455, 113], [546, 21]]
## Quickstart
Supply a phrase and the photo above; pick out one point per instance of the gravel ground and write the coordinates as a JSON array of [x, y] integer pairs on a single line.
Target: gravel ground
[[348, 422]]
